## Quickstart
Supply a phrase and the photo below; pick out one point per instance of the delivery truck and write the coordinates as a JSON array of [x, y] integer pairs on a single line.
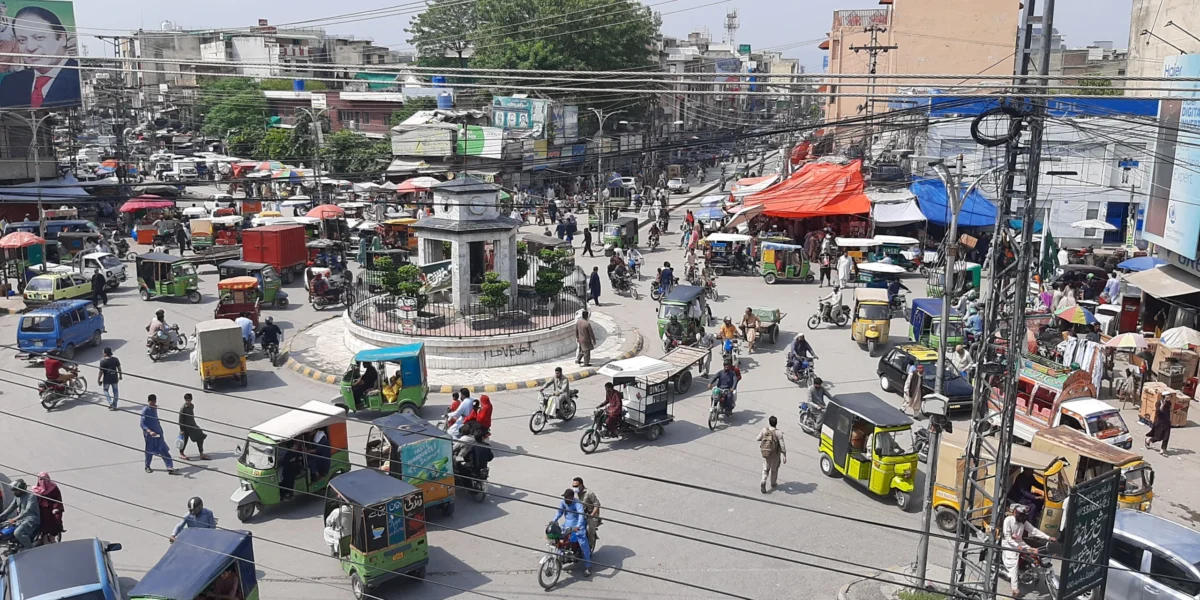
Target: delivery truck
[[281, 246]]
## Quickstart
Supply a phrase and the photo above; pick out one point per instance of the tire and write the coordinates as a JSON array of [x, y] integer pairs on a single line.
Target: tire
[[808, 423], [245, 512], [131, 257], [770, 278], [683, 383], [774, 333], [281, 302], [287, 276], [654, 294], [537, 422], [549, 572], [448, 509], [571, 251], [568, 409], [947, 520], [144, 294], [194, 297], [408, 409], [182, 345], [809, 278], [655, 432], [814, 321], [871, 348], [69, 352], [902, 500], [357, 586], [230, 360], [841, 319], [49, 400], [154, 356], [634, 292], [96, 339], [78, 386], [477, 491], [245, 379], [712, 419], [826, 464], [590, 441], [884, 383]]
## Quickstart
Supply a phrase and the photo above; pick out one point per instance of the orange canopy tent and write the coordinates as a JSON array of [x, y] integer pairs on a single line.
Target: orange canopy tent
[[817, 189]]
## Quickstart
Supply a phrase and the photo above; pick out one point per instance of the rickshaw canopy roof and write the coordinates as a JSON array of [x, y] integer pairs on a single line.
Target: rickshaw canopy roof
[[228, 220], [870, 295], [881, 268], [683, 293], [622, 221], [243, 265], [237, 283], [158, 257], [544, 240], [871, 408], [402, 429], [897, 240], [404, 221], [191, 564], [308, 417], [857, 242], [728, 237], [1086, 445], [1022, 456], [779, 246], [270, 213], [638, 366], [368, 487], [393, 353], [932, 306], [217, 325]]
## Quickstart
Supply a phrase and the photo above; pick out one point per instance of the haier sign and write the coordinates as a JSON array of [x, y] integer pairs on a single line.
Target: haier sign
[[1173, 211]]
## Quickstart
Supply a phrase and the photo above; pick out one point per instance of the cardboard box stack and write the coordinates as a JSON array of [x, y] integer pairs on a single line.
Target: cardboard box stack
[[1152, 391]]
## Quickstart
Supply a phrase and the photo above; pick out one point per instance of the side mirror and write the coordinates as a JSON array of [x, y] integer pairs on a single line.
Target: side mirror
[[112, 547], [238, 450]]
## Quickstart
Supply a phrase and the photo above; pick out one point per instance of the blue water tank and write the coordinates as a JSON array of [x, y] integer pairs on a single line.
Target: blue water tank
[[438, 80], [445, 100], [297, 85]]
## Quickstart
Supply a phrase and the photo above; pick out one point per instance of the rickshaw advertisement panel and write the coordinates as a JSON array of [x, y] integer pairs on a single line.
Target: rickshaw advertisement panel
[[425, 460]]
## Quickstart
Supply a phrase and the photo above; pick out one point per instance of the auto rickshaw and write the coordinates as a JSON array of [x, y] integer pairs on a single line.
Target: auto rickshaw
[[967, 276], [270, 286], [163, 275], [202, 564], [878, 275], [869, 441], [1090, 457], [396, 234], [688, 304], [71, 243], [719, 252], [262, 457], [1031, 476], [784, 262], [872, 318], [384, 532], [220, 352], [620, 233], [238, 295], [646, 386], [405, 394], [327, 257], [201, 230], [902, 250], [535, 243], [857, 248], [925, 324], [218, 231], [415, 451]]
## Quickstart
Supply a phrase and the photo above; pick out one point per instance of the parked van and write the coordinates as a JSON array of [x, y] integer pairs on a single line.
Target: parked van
[[59, 328], [1050, 394]]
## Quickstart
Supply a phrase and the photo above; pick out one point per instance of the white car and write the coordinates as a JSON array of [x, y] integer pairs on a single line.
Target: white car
[[108, 264], [629, 183], [679, 186]]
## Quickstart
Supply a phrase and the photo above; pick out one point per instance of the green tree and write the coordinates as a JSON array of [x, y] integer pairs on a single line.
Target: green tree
[[347, 151], [229, 103], [552, 269], [495, 292], [275, 144], [1097, 87], [445, 29], [404, 282], [411, 107], [245, 142]]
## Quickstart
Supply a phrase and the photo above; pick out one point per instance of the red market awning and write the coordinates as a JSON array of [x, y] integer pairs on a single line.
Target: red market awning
[[20, 239], [146, 201], [326, 211], [817, 189]]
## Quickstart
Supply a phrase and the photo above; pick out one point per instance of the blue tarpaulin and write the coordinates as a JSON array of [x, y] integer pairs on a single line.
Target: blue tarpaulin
[[1141, 263], [931, 197], [709, 213], [1019, 224]]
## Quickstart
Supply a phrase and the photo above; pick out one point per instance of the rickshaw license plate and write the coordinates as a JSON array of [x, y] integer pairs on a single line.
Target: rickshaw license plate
[[397, 556]]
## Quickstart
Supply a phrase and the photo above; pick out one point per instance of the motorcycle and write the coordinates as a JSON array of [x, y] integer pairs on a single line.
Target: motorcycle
[[272, 350], [1034, 567], [9, 544], [320, 301], [721, 411], [159, 347], [810, 417], [622, 285], [248, 345], [635, 268], [710, 288], [731, 351], [565, 411], [898, 305], [656, 291], [53, 392], [654, 242], [801, 376], [921, 444], [473, 481], [562, 552], [827, 313]]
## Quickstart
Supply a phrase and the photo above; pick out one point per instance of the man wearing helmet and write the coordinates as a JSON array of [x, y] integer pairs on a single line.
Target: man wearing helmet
[[198, 517], [271, 333], [25, 513], [1016, 530]]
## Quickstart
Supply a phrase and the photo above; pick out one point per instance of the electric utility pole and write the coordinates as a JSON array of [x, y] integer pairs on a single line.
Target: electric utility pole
[[874, 49], [601, 183]]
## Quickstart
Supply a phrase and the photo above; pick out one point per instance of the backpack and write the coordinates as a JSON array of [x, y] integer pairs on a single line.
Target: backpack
[[769, 446]]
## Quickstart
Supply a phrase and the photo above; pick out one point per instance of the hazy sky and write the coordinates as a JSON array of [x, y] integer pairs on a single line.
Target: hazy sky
[[764, 23]]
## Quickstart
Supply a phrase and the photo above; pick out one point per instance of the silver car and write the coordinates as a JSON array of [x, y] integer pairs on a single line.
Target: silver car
[[1152, 558]]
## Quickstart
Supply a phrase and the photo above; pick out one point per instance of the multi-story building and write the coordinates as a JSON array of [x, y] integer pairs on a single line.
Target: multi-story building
[[1098, 59], [368, 113], [1151, 39]]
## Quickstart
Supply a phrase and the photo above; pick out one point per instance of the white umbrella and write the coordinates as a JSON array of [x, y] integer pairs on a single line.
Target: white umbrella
[[1180, 338], [1094, 224]]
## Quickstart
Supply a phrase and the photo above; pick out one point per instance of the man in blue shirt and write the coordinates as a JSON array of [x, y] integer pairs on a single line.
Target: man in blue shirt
[[152, 433], [576, 526], [726, 380], [975, 322], [247, 326], [666, 278], [197, 517]]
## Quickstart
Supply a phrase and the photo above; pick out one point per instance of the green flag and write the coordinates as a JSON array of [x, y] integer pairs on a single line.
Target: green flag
[[1049, 256]]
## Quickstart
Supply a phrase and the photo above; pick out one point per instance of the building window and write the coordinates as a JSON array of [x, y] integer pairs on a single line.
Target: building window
[[345, 115], [1093, 210], [832, 91], [366, 118]]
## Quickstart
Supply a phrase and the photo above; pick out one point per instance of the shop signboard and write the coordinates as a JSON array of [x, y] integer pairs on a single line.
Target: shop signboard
[[571, 123], [509, 112], [40, 33], [435, 277], [1091, 512], [1172, 212], [474, 140]]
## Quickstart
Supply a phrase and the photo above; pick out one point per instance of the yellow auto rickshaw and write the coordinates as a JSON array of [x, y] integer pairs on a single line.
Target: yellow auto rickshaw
[[872, 318], [871, 442], [220, 352], [397, 234], [1027, 475], [1091, 457]]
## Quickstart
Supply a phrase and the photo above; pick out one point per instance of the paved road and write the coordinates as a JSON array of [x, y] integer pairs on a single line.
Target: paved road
[[471, 550]]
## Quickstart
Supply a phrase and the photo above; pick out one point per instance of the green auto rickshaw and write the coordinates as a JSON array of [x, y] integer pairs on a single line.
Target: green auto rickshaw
[[688, 304], [924, 323], [786, 262], [269, 283], [269, 447], [869, 441], [417, 452], [968, 276], [620, 233], [166, 276], [200, 564], [380, 527], [401, 380]]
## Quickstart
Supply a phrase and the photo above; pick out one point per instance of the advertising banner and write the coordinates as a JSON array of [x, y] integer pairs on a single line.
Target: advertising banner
[[571, 123], [1173, 209], [39, 31], [435, 277], [487, 142]]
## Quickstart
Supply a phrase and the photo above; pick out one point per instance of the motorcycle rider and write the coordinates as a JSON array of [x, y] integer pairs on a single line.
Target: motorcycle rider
[[834, 300], [818, 393], [726, 380], [57, 373], [618, 276], [271, 334], [729, 336], [655, 233], [674, 330], [470, 459], [198, 517], [614, 409], [557, 390], [798, 350], [1015, 530], [894, 287], [24, 513], [160, 331], [633, 260], [575, 525]]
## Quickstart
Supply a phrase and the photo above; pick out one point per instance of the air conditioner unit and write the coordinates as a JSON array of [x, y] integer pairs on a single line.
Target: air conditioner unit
[[350, 125]]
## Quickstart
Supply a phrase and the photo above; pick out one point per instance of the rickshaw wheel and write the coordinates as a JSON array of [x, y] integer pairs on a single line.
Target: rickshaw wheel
[[131, 257], [827, 466], [809, 278], [245, 512], [770, 278], [357, 586], [902, 500], [145, 294], [590, 442], [947, 520], [448, 509], [194, 297], [420, 573], [871, 348], [408, 409], [655, 432], [245, 379], [684, 382], [281, 302]]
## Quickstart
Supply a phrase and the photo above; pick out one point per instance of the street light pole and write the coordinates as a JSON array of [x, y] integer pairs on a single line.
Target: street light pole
[[601, 117], [34, 124], [317, 140]]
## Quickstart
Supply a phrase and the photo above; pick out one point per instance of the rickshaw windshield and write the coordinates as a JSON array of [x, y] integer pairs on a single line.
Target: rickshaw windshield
[[873, 312], [1137, 481], [613, 230], [183, 270], [674, 310], [894, 443], [1109, 423], [270, 275], [955, 329], [258, 455]]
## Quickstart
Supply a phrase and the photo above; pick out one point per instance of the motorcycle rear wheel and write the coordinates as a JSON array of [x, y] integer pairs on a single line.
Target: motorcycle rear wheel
[[549, 572], [49, 400], [568, 409]]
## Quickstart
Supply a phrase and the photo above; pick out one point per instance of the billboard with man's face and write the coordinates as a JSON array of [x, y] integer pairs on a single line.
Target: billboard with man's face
[[38, 69]]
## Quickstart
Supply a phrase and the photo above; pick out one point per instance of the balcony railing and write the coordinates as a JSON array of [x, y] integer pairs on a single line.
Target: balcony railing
[[860, 18]]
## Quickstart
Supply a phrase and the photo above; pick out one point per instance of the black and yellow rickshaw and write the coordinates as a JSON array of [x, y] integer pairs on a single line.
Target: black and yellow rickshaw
[[872, 318], [869, 441], [786, 262], [620, 233]]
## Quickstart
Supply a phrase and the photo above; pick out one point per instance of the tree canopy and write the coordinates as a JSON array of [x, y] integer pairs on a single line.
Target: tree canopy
[[445, 29], [410, 108]]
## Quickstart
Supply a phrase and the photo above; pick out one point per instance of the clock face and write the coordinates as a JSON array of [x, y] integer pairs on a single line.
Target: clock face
[[478, 206]]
